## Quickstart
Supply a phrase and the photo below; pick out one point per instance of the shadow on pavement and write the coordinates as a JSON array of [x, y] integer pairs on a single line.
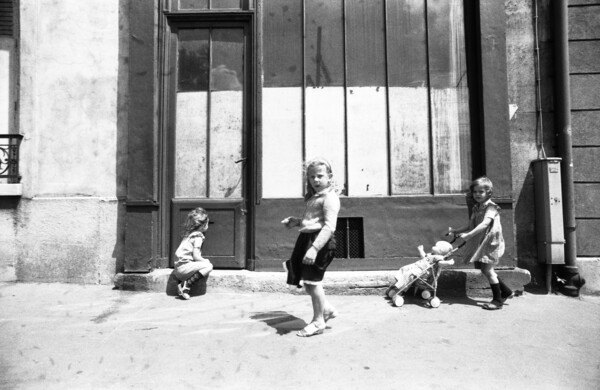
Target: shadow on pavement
[[281, 321]]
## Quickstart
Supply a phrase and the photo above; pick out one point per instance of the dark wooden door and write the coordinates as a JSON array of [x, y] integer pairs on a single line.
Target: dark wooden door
[[208, 136]]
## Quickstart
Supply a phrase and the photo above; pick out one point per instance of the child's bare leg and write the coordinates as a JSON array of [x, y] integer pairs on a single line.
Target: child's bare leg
[[488, 271], [317, 295]]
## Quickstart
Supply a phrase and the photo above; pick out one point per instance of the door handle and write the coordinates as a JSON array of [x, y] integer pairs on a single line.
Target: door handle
[[240, 160]]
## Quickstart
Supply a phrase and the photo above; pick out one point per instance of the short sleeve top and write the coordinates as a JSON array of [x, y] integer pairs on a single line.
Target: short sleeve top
[[185, 250]]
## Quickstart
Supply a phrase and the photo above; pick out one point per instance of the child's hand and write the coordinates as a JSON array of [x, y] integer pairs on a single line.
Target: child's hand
[[309, 257], [290, 222], [420, 248], [450, 232]]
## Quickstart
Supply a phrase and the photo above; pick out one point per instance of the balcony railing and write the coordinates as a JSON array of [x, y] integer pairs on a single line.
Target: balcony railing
[[9, 158]]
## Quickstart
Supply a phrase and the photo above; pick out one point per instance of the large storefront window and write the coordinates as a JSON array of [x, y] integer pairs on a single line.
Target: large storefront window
[[378, 87]]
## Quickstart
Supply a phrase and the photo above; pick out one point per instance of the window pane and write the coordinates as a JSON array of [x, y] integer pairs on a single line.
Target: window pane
[[193, 60], [193, 4], [225, 4], [191, 116], [190, 144], [449, 96], [226, 113], [282, 43], [227, 73], [324, 44], [408, 97], [365, 43]]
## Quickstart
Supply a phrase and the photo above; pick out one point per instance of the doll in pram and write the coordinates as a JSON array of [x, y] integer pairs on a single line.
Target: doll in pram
[[422, 275]]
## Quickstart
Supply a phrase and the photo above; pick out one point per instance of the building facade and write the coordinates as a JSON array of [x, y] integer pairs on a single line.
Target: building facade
[[133, 112]]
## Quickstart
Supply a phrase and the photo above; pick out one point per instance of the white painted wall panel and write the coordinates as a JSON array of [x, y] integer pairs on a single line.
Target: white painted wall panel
[[226, 144], [409, 138], [367, 141], [190, 145], [446, 141], [325, 128], [282, 175]]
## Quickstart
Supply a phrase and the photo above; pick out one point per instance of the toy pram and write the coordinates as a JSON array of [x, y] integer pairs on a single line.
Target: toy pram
[[422, 275]]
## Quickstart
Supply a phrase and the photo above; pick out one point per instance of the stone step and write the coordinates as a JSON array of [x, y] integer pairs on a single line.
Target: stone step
[[454, 282]]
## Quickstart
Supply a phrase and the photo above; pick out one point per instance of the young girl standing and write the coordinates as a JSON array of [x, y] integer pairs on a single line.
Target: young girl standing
[[315, 246], [484, 240], [190, 265]]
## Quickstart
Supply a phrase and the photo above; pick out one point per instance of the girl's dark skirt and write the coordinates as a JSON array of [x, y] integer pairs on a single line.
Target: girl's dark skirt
[[298, 271]]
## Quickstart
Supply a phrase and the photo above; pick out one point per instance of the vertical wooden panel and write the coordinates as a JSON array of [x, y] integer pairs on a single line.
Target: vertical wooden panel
[[408, 97], [141, 114], [409, 139], [406, 43], [139, 231], [324, 47], [190, 145], [367, 142], [324, 130], [449, 97], [282, 43], [365, 43], [451, 146], [282, 143], [494, 96]]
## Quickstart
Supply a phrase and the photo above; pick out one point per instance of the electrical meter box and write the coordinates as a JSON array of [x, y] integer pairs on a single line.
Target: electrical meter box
[[549, 211]]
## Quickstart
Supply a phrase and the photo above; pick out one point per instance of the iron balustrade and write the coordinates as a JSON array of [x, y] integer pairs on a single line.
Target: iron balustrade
[[9, 157]]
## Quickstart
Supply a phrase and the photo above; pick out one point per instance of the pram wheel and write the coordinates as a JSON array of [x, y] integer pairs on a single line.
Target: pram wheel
[[435, 302], [391, 292], [425, 294], [398, 300]]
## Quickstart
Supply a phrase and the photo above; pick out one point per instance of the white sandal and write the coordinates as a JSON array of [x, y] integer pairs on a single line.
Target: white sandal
[[310, 330]]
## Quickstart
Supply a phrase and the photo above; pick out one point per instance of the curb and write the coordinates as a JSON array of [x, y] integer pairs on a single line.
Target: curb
[[455, 282]]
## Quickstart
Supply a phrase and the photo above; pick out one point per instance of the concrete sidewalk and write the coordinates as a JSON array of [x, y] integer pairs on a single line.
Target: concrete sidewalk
[[65, 336]]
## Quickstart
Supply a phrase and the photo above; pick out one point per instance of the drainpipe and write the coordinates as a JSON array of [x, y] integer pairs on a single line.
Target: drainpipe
[[569, 273]]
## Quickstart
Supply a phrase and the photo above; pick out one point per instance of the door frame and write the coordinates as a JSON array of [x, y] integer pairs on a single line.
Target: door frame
[[245, 19]]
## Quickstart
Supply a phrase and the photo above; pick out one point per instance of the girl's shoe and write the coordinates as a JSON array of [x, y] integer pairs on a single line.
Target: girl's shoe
[[507, 297], [310, 330], [493, 305], [183, 290]]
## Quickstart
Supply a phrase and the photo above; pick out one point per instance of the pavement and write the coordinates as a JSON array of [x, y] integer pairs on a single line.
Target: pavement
[[69, 336]]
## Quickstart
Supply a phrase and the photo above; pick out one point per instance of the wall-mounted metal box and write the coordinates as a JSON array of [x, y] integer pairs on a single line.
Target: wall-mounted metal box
[[549, 211]]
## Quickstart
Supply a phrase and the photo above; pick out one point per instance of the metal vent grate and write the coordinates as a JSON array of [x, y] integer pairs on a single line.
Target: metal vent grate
[[350, 238]]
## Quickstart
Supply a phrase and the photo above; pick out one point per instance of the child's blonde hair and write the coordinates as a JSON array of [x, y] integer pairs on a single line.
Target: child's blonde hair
[[315, 162], [197, 219], [484, 182]]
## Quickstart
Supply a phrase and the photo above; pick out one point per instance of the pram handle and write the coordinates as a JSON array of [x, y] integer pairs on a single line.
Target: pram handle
[[452, 242]]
